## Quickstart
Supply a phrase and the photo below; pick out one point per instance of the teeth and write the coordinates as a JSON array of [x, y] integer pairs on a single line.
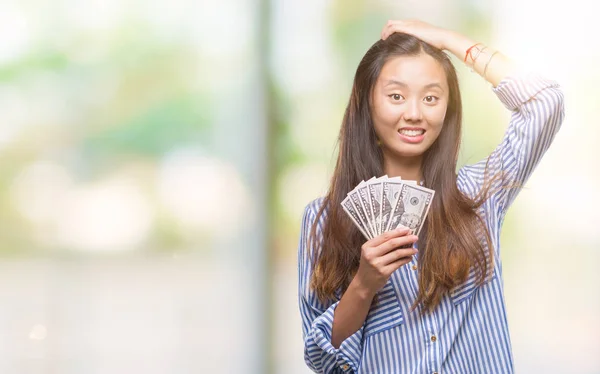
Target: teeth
[[412, 132]]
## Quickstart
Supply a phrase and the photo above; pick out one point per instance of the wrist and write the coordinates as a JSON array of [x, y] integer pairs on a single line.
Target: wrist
[[361, 290], [458, 44]]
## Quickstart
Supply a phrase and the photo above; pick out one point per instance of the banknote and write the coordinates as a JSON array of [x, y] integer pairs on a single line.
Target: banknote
[[411, 208], [360, 210], [350, 209], [385, 203], [375, 198]]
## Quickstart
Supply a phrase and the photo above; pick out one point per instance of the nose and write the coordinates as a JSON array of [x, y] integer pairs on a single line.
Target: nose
[[413, 111]]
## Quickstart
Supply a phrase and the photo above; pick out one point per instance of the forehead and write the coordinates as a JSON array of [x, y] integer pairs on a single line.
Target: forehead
[[416, 71]]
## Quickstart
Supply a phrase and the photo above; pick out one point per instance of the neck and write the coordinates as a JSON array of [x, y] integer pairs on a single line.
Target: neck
[[406, 168]]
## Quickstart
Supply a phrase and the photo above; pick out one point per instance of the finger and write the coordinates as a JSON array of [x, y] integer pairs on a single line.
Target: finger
[[389, 269], [378, 240], [394, 243], [384, 32], [390, 28], [396, 255]]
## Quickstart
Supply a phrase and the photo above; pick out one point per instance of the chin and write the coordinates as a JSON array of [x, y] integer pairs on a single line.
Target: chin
[[411, 152]]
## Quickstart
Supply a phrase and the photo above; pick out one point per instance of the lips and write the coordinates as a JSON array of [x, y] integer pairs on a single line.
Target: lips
[[412, 135], [413, 132]]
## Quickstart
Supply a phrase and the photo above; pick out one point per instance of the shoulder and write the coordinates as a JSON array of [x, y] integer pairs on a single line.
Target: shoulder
[[315, 205], [312, 209]]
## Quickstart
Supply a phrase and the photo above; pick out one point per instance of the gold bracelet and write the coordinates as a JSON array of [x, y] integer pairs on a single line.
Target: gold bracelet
[[487, 64]]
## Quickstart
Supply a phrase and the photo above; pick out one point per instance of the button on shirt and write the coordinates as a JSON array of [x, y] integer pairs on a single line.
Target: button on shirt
[[468, 331]]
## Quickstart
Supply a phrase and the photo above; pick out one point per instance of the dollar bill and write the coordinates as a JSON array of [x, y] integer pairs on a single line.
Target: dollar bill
[[360, 209], [383, 204], [411, 207], [390, 193], [350, 209], [375, 192], [365, 200]]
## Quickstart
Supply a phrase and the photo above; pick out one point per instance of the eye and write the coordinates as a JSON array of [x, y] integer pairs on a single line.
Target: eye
[[396, 97], [431, 99]]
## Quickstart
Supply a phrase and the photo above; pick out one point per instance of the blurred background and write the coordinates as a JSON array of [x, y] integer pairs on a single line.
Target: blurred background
[[156, 157]]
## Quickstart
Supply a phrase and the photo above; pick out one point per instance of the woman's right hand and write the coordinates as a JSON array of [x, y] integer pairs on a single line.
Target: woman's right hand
[[381, 256]]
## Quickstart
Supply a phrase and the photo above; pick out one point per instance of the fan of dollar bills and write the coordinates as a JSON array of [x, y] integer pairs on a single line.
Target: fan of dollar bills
[[383, 204]]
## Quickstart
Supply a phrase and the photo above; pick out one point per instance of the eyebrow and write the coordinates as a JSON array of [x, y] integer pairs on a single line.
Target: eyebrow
[[402, 84]]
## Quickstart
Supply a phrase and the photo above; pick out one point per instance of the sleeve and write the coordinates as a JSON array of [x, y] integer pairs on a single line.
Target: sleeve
[[537, 106], [317, 319]]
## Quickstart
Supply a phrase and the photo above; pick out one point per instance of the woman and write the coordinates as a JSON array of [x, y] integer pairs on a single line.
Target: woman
[[381, 306]]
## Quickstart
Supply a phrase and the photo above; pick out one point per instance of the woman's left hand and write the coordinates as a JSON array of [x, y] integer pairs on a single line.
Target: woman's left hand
[[433, 35]]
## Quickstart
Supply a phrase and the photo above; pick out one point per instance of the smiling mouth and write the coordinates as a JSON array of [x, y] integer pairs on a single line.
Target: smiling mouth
[[411, 132]]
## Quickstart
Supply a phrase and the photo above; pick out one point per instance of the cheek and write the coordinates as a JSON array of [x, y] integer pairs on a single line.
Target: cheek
[[436, 117], [386, 115]]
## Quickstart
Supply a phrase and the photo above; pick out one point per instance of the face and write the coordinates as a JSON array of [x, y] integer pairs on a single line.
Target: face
[[409, 104]]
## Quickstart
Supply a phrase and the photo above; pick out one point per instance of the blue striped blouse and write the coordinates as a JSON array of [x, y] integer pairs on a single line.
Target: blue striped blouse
[[468, 331]]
